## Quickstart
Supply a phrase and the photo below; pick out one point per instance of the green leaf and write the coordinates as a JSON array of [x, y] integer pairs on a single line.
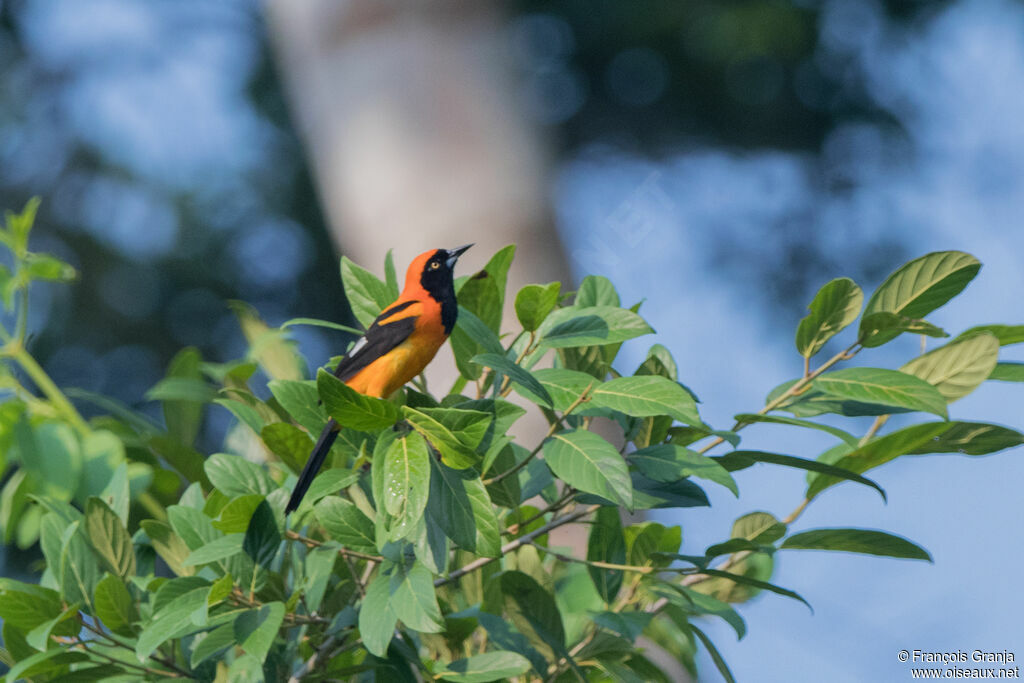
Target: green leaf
[[26, 606], [741, 459], [460, 506], [469, 426], [116, 493], [880, 451], [301, 401], [1008, 372], [328, 482], [109, 538], [971, 438], [517, 374], [919, 287], [563, 386], [287, 442], [192, 525], [62, 624], [716, 656], [957, 368], [406, 482], [589, 326], [235, 516], [485, 667], [255, 630], [43, 663], [628, 624], [484, 293], [183, 405], [217, 549], [213, 642], [587, 462], [533, 611], [185, 459], [390, 275], [759, 527], [836, 305], [471, 337], [235, 476], [262, 538], [1006, 334], [647, 396], [596, 290], [365, 293], [346, 524], [865, 541], [454, 452], [756, 583], [883, 387], [535, 302], [377, 619], [168, 546], [321, 323], [50, 268], [692, 602], [114, 605], [51, 455], [649, 494], [879, 328], [412, 598], [751, 418], [606, 543], [351, 408], [668, 463]]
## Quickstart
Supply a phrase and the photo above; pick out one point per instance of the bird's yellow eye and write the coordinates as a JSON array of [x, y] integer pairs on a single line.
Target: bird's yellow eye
[[434, 265]]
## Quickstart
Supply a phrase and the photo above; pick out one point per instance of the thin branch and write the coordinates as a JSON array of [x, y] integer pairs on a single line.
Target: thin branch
[[512, 545], [583, 397], [557, 505], [313, 543]]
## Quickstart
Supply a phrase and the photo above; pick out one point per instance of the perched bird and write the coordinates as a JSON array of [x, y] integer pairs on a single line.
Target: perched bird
[[399, 344]]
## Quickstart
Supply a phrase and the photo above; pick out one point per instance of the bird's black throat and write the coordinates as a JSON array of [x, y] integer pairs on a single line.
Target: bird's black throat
[[440, 286]]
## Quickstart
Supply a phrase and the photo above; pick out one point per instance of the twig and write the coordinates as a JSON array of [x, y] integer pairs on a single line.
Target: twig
[[313, 543], [512, 545]]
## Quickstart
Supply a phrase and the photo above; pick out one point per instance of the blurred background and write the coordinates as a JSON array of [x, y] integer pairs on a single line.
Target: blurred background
[[720, 159]]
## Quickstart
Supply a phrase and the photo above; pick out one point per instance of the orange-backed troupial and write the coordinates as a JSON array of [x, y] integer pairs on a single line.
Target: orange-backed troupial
[[398, 345]]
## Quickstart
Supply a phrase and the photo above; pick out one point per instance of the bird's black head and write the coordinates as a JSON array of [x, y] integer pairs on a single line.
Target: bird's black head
[[436, 274]]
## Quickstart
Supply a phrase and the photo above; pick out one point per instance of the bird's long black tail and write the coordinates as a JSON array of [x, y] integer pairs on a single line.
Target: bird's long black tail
[[316, 460]]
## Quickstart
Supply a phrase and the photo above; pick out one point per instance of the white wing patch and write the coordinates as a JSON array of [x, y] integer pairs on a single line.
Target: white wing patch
[[360, 343]]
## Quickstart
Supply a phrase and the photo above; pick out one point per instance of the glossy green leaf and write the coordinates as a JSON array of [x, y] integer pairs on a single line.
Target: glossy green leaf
[[114, 605], [460, 506], [485, 667], [406, 482], [183, 403], [589, 463], [235, 516], [262, 538], [971, 438], [668, 463], [287, 442], [919, 287], [606, 543], [109, 538], [533, 611], [329, 482], [255, 630], [301, 401], [535, 302], [693, 602], [454, 452], [351, 408], [214, 642], [168, 546], [517, 374], [742, 459], [233, 475], [751, 418], [412, 598], [591, 326], [321, 323], [216, 550], [880, 327], [646, 396], [836, 305], [883, 387], [377, 619], [957, 368], [563, 386], [1006, 371], [880, 451], [346, 524], [470, 338], [745, 580], [716, 656], [1006, 334], [365, 292], [865, 541]]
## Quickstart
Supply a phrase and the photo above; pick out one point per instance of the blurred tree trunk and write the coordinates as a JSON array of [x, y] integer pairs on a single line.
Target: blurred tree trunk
[[413, 131]]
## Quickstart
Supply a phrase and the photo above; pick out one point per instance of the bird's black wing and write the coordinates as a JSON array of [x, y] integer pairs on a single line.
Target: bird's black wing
[[384, 334]]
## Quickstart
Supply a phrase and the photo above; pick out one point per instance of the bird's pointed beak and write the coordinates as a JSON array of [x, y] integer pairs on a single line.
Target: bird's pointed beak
[[454, 254]]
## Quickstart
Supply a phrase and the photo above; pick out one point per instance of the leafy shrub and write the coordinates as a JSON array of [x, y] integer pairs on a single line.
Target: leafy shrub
[[425, 550]]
